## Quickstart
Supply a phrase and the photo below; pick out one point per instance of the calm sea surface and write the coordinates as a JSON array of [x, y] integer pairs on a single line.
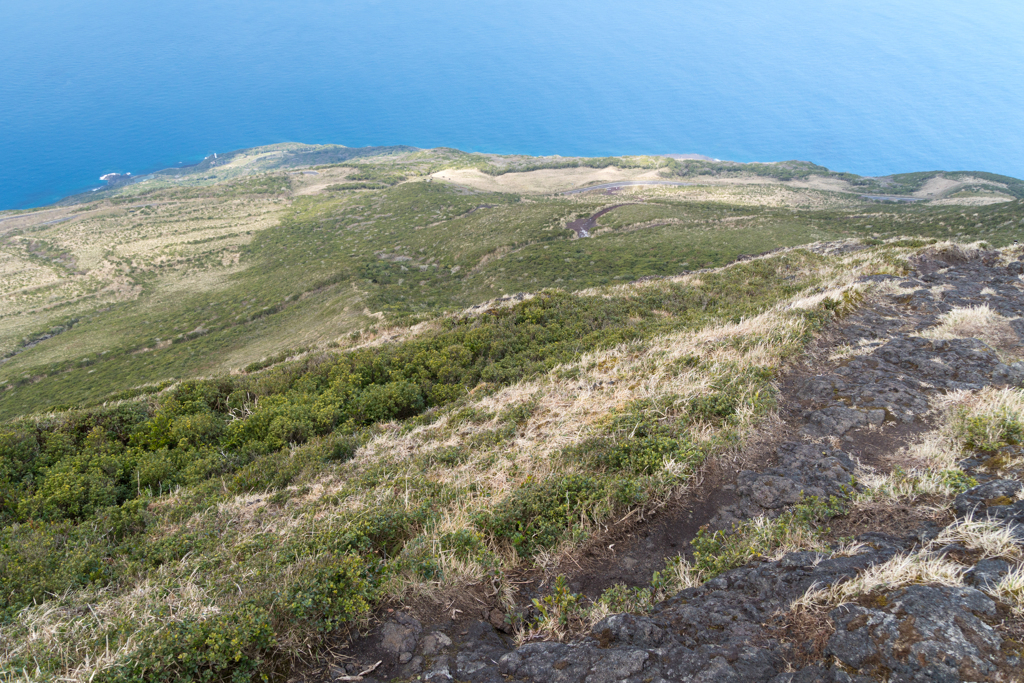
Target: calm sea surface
[[868, 86]]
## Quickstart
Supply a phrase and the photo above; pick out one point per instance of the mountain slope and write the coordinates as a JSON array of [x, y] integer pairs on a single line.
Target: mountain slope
[[265, 509], [210, 270], [290, 408]]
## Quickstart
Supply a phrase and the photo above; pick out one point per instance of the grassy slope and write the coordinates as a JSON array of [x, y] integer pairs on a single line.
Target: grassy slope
[[249, 268], [260, 510], [462, 491]]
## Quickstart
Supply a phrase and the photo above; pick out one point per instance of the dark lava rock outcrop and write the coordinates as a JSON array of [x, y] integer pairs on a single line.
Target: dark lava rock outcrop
[[718, 633]]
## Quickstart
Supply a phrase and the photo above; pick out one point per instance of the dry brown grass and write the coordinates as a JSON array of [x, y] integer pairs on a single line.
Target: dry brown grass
[[567, 411], [921, 484], [988, 410], [988, 537], [570, 411], [753, 193], [977, 322], [105, 245], [1010, 590], [957, 251], [902, 570], [544, 181], [88, 629]]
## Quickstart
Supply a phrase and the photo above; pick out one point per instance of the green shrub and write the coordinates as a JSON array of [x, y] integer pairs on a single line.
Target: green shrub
[[225, 648], [848, 302], [621, 598], [639, 445], [332, 590], [270, 471], [187, 417], [77, 486], [647, 454], [195, 430], [990, 432], [467, 544], [19, 463], [958, 481], [561, 606], [382, 531], [278, 421], [440, 394], [719, 552], [629, 491], [356, 186], [40, 559], [158, 470], [537, 514], [391, 401], [202, 463], [420, 555], [341, 448], [713, 407]]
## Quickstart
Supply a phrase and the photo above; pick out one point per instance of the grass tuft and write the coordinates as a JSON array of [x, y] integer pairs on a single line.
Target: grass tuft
[[902, 570], [1010, 590], [988, 537], [978, 322]]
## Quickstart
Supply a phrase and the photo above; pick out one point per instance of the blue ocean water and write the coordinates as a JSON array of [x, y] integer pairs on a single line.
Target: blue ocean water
[[868, 86]]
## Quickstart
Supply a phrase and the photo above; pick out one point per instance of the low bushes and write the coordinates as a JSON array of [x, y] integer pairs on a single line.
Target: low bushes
[[226, 648], [210, 428], [795, 529], [988, 420], [537, 514], [286, 540], [332, 590]]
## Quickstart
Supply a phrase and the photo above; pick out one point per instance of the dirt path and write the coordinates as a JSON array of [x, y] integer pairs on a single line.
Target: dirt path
[[583, 226], [893, 198], [624, 183]]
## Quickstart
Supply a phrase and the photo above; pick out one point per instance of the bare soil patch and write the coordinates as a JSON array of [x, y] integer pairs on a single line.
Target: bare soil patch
[[876, 448], [806, 632], [895, 519], [544, 181], [583, 226], [983, 200], [937, 187]]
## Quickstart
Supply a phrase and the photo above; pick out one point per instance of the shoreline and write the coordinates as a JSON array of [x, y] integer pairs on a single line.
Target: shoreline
[[293, 155]]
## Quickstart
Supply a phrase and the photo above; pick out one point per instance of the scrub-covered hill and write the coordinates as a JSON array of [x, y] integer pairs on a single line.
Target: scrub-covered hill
[[259, 255], [274, 420]]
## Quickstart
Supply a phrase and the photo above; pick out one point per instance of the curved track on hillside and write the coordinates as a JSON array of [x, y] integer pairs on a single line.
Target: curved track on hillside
[[622, 183]]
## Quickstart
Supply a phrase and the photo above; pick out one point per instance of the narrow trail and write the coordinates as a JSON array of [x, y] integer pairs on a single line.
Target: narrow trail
[[867, 389], [583, 226], [894, 198], [624, 183]]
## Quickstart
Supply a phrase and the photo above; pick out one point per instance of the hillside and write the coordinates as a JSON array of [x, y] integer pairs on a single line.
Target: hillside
[[310, 412], [245, 259]]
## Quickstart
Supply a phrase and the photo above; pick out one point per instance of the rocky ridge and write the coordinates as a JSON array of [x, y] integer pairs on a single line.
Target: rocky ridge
[[739, 626]]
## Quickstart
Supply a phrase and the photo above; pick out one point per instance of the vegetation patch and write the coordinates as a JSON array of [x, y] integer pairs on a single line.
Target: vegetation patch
[[800, 528], [289, 408], [537, 422]]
